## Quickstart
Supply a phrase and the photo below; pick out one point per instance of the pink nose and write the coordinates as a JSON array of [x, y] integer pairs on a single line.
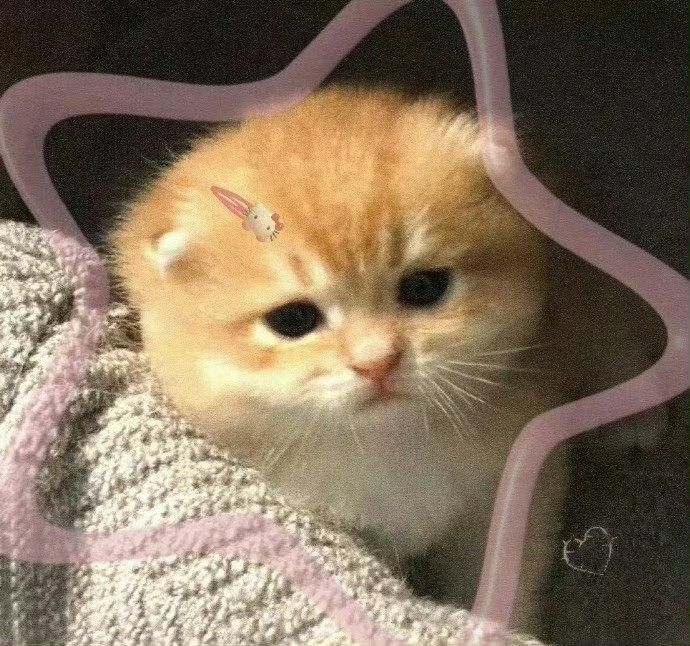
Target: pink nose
[[378, 370]]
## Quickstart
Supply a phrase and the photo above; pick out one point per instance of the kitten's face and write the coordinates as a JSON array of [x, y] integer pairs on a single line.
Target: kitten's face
[[397, 260]]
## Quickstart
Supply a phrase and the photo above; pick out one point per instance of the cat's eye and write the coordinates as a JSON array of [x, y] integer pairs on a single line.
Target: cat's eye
[[423, 288], [294, 319]]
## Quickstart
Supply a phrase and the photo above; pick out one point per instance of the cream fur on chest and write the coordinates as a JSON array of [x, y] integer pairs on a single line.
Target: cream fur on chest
[[394, 479]]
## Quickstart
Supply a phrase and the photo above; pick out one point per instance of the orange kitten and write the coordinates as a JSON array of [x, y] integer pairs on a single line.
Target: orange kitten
[[371, 357]]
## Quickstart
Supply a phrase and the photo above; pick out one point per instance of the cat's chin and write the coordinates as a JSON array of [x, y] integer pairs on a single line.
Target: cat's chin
[[382, 400], [392, 411], [369, 398]]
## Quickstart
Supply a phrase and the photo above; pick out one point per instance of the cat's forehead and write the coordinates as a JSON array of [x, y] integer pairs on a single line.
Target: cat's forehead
[[367, 226], [376, 228], [362, 185], [368, 231], [355, 257]]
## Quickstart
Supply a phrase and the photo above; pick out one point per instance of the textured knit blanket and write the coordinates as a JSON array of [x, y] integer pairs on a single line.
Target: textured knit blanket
[[123, 458]]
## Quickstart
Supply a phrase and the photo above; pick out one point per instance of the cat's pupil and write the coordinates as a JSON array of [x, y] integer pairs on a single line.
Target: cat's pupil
[[294, 319], [423, 288]]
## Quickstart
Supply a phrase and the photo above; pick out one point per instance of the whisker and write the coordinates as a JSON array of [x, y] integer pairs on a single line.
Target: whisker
[[492, 366], [425, 414], [473, 394], [452, 418], [316, 422], [296, 434], [483, 380], [466, 395], [451, 403], [276, 453], [472, 407], [358, 442], [523, 348], [431, 398]]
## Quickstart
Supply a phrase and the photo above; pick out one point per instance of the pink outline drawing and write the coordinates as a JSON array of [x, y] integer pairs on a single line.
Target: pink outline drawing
[[31, 107]]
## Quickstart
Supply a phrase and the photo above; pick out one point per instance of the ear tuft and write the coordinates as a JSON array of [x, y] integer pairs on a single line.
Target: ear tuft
[[169, 249]]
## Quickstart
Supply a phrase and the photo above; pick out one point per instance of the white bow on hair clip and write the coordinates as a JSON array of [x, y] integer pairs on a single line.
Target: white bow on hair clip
[[264, 223]]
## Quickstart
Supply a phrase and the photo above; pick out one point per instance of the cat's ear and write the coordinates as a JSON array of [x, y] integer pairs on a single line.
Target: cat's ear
[[477, 138], [170, 250], [497, 144]]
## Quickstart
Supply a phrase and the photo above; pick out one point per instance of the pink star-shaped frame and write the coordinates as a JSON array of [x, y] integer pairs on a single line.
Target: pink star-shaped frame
[[30, 108]]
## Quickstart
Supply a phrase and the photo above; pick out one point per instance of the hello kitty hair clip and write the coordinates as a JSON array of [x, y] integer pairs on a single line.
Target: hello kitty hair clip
[[264, 223]]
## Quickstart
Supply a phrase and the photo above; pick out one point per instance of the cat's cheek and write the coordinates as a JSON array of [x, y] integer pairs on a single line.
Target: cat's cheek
[[507, 304]]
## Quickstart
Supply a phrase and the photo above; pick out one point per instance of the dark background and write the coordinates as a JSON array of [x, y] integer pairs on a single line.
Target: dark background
[[600, 90]]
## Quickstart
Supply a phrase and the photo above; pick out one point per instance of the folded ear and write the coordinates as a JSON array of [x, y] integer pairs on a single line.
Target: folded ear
[[170, 249], [478, 141], [498, 146]]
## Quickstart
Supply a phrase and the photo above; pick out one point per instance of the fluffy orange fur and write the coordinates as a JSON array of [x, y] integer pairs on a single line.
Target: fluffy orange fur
[[371, 186]]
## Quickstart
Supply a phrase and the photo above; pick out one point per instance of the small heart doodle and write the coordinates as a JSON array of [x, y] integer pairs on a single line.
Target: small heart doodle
[[591, 553]]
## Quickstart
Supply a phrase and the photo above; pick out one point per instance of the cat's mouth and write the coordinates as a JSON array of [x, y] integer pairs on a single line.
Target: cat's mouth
[[382, 396]]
